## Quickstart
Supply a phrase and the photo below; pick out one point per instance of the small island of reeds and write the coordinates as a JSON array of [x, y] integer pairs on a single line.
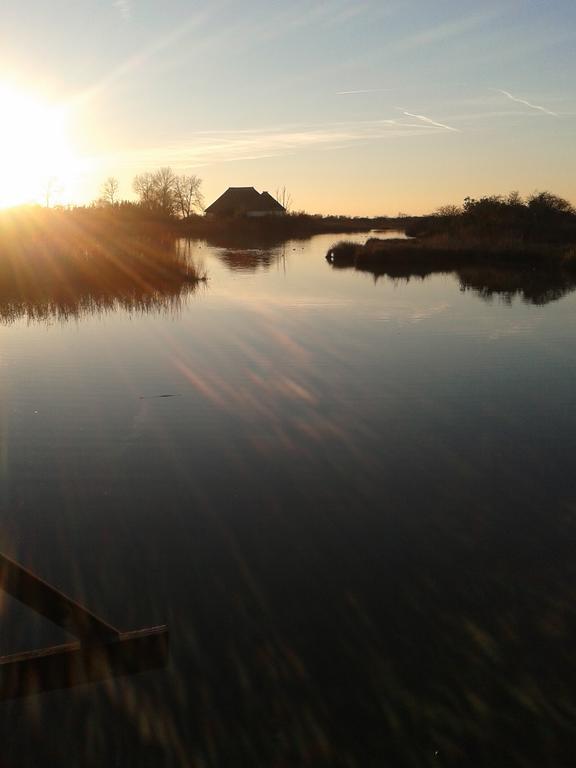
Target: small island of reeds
[[539, 232]]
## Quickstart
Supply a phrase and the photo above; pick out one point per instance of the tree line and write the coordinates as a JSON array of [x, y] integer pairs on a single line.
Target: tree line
[[162, 192], [542, 216]]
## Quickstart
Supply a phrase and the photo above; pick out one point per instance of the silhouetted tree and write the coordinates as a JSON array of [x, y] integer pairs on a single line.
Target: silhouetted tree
[[109, 190], [542, 217], [143, 185], [514, 198], [546, 202], [164, 192], [164, 181], [187, 194], [448, 210], [284, 198]]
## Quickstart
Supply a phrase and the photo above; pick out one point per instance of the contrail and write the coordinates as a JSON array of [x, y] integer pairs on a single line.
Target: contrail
[[526, 103], [428, 120], [365, 90]]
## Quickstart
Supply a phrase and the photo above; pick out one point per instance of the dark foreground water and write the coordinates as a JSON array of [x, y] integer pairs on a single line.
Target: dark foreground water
[[356, 512]]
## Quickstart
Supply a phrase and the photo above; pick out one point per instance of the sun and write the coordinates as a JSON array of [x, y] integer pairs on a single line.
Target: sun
[[37, 161]]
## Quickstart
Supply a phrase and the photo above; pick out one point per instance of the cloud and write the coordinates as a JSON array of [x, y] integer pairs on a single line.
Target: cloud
[[363, 90], [211, 147], [428, 120], [526, 103]]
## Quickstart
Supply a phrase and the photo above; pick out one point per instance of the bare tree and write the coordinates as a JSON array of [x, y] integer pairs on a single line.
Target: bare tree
[[110, 190], [164, 189], [157, 190], [187, 194], [284, 198], [447, 211], [143, 185]]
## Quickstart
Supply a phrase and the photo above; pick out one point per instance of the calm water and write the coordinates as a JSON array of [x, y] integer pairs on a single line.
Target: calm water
[[356, 512]]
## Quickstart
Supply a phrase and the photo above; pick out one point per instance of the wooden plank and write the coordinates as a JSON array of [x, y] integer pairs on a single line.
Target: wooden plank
[[43, 598], [79, 663], [101, 651]]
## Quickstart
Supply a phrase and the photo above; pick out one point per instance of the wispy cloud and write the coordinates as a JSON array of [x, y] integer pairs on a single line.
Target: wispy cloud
[[211, 147], [526, 103], [428, 120], [124, 8], [362, 90]]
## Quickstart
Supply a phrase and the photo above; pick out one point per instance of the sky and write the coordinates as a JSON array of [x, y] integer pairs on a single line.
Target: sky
[[360, 107]]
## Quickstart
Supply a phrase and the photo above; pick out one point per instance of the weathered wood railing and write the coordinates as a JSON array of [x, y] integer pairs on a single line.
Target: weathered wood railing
[[101, 651]]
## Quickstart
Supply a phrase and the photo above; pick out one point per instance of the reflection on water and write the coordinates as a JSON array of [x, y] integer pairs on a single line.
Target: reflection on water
[[250, 260], [99, 652], [356, 515], [533, 286], [69, 282]]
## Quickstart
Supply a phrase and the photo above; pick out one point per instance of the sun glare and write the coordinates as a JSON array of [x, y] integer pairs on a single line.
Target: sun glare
[[37, 161]]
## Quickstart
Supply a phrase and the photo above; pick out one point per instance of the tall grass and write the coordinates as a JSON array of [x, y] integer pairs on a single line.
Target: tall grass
[[58, 266]]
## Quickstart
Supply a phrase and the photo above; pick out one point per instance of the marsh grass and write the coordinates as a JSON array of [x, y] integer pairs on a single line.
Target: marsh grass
[[445, 251], [537, 274], [62, 267]]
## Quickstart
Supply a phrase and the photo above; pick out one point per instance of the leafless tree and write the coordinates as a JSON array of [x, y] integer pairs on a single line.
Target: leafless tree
[[447, 211], [157, 190], [164, 189], [284, 198], [143, 185], [187, 194], [110, 190]]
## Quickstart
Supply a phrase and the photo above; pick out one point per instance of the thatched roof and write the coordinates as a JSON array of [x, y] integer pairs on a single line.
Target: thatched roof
[[239, 200], [270, 202]]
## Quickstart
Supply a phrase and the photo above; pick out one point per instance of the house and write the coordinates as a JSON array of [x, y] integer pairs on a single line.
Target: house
[[245, 201]]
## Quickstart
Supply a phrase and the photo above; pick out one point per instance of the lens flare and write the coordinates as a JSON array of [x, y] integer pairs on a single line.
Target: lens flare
[[37, 160]]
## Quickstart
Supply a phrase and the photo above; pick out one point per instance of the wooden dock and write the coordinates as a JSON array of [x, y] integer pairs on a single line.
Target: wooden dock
[[100, 651]]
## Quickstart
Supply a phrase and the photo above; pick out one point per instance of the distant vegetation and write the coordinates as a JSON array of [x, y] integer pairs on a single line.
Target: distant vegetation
[[61, 261], [487, 277], [169, 206], [175, 204], [125, 252], [64, 263], [538, 231], [166, 193], [541, 218], [496, 245]]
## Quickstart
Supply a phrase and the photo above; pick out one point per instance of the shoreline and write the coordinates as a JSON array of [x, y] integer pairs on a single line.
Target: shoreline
[[449, 254]]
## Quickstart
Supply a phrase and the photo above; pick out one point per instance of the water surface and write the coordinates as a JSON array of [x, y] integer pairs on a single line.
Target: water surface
[[355, 510]]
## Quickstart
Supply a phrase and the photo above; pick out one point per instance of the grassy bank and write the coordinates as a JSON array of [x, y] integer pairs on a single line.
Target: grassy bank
[[442, 252], [53, 264], [536, 274], [35, 225], [272, 228]]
